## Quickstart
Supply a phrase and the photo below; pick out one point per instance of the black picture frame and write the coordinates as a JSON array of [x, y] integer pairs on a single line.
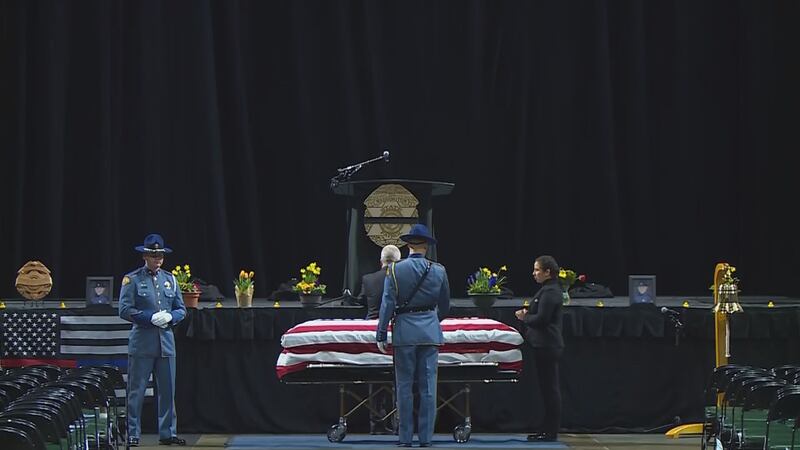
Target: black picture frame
[[641, 289], [102, 297]]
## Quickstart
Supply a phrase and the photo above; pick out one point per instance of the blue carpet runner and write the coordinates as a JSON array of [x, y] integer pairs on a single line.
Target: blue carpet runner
[[365, 441]]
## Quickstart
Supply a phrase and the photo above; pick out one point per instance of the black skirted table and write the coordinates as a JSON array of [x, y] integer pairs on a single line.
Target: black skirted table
[[623, 369]]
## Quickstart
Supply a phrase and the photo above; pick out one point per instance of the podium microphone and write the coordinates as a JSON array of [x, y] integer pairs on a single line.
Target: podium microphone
[[386, 156]]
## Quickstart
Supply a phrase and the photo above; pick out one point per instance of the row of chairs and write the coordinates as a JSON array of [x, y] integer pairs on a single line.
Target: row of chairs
[[46, 407], [752, 408]]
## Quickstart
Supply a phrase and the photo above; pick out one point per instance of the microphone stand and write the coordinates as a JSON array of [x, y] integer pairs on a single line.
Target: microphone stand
[[678, 325], [346, 172]]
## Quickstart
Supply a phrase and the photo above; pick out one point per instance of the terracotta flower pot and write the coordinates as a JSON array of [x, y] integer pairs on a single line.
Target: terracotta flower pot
[[190, 299]]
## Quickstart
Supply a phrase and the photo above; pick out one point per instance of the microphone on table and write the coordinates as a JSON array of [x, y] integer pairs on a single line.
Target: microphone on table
[[665, 310]]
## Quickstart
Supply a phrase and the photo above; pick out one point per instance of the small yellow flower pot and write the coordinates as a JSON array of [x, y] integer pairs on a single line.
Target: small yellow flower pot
[[244, 299]]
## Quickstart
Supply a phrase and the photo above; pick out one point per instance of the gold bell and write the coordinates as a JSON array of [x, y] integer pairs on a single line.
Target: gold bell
[[728, 299]]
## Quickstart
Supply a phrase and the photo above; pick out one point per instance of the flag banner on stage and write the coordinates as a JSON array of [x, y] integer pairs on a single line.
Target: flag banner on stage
[[68, 338], [352, 341]]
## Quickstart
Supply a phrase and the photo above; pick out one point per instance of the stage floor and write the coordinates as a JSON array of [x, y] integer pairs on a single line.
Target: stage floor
[[478, 440]]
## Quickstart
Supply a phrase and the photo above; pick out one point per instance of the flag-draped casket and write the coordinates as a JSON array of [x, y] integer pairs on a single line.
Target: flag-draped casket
[[352, 341]]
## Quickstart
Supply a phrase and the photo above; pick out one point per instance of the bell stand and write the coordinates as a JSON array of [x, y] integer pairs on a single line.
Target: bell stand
[[721, 350]]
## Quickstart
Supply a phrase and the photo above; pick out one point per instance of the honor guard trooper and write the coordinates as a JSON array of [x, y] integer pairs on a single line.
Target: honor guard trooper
[[151, 299], [416, 297]]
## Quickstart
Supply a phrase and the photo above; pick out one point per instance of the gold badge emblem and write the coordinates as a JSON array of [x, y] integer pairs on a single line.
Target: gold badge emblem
[[125, 280], [34, 280], [390, 211]]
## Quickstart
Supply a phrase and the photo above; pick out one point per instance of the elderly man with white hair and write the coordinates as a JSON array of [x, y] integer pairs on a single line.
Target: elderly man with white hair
[[372, 283], [372, 291]]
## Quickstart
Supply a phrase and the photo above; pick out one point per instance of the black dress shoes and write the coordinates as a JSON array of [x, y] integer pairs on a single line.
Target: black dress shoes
[[542, 437], [403, 444], [174, 440], [425, 444], [133, 441]]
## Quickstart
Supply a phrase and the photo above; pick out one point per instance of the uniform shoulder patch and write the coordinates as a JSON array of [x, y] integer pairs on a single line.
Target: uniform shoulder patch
[[125, 280]]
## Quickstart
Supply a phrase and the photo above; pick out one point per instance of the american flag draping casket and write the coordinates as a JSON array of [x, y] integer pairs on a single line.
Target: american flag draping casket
[[352, 341]]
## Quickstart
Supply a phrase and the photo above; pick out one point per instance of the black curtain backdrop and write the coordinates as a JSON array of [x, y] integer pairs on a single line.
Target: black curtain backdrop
[[622, 137]]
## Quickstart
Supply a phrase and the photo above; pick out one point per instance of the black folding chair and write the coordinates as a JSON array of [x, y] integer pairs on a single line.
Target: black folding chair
[[785, 407], [28, 427], [714, 423], [732, 400], [16, 439], [756, 395], [47, 421]]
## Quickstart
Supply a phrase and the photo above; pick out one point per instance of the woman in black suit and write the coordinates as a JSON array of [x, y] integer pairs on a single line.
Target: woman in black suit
[[542, 330]]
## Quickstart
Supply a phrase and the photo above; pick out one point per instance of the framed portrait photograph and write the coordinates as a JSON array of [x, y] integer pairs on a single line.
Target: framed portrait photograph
[[99, 290], [641, 289]]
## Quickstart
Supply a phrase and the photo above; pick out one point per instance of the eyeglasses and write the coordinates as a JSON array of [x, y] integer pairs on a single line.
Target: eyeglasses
[[154, 255]]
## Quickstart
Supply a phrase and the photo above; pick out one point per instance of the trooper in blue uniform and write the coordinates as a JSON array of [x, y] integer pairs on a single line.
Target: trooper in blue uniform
[[416, 295], [151, 299]]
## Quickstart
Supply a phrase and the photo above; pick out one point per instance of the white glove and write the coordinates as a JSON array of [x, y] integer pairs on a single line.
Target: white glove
[[161, 319], [156, 319], [167, 319], [382, 347]]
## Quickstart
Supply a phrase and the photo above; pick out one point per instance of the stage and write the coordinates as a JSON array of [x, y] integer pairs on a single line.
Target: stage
[[625, 369]]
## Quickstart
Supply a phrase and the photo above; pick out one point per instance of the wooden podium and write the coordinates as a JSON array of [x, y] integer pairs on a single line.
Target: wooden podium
[[378, 213]]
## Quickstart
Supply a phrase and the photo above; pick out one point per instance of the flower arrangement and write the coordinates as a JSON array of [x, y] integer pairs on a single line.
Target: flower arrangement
[[183, 275], [484, 281], [244, 284], [568, 277], [309, 281]]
